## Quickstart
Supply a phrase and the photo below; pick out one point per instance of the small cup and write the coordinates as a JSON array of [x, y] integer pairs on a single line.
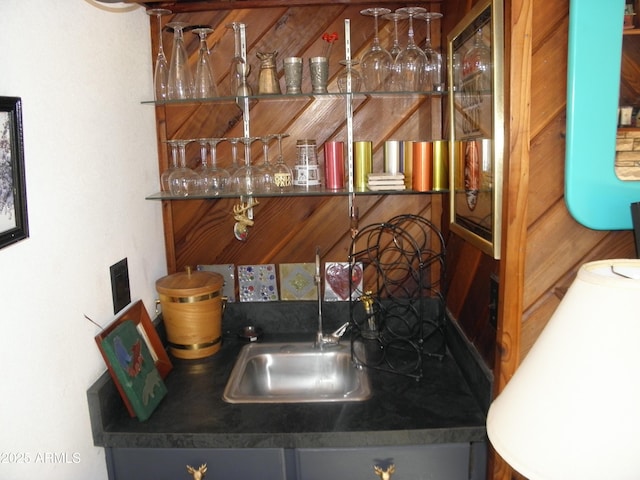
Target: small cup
[[293, 74], [319, 70], [334, 165]]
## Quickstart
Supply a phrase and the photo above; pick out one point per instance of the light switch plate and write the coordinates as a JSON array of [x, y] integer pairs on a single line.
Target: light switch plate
[[120, 290]]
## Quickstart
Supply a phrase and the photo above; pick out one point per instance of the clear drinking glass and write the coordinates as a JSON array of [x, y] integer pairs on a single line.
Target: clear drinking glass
[[161, 70], [477, 63], [204, 83], [395, 17], [180, 84], [183, 181], [410, 62], [266, 169], [377, 62], [434, 69]]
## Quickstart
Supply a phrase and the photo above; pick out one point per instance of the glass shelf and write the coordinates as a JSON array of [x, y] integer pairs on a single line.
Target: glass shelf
[[281, 97], [299, 192]]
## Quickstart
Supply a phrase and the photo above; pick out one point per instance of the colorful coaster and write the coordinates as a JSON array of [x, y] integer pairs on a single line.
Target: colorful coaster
[[297, 282], [336, 281], [257, 283], [228, 271]]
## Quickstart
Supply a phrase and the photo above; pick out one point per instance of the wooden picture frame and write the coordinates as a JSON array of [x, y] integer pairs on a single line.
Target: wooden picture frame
[[476, 107], [137, 314], [14, 225]]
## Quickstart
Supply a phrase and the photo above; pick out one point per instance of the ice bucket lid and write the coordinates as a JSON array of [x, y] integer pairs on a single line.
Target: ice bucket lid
[[189, 282]]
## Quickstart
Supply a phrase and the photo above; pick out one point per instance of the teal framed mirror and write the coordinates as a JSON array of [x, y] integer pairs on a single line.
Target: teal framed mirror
[[594, 194]]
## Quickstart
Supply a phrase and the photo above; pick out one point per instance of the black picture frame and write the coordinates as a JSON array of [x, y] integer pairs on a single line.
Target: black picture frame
[[14, 225]]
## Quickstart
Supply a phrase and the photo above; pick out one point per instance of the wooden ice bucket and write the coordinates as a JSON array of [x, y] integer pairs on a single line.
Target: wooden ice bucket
[[192, 312]]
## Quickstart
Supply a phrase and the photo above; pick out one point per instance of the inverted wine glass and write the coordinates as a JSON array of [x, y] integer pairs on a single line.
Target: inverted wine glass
[[213, 179], [377, 62], [476, 63], [247, 180], [164, 178], [161, 69], [204, 83], [266, 169], [410, 62], [234, 155], [395, 17], [180, 83], [434, 69], [350, 79], [282, 174], [183, 181]]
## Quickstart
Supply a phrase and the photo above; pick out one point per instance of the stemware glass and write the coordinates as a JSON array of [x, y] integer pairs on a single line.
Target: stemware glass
[[161, 70], [395, 16], [165, 186], [234, 155], [183, 181], [349, 72], [434, 74], [204, 83], [239, 71], [266, 169], [476, 63], [377, 62], [180, 83], [410, 62], [213, 179], [246, 180], [282, 174]]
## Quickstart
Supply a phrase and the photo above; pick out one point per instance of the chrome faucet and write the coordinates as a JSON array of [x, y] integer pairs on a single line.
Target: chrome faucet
[[321, 338]]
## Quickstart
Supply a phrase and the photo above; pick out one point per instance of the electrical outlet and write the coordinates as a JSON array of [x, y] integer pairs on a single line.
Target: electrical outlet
[[493, 300], [120, 290]]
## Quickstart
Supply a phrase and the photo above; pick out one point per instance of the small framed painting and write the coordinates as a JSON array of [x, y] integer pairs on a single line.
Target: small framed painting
[[13, 196]]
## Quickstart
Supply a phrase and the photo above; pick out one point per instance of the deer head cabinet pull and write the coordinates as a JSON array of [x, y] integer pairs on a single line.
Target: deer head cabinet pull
[[199, 473]]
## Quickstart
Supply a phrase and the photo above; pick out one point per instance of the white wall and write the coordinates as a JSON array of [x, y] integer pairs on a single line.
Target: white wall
[[90, 159]]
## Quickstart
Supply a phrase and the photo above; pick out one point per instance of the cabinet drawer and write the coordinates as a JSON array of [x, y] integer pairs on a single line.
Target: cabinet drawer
[[447, 461], [170, 463]]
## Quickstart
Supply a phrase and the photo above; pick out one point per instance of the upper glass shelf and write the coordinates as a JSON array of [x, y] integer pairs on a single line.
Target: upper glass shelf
[[281, 97], [297, 192]]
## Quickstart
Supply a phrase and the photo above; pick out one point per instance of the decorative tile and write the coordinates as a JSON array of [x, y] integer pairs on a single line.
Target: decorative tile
[[228, 272], [297, 282], [257, 283], [336, 281]]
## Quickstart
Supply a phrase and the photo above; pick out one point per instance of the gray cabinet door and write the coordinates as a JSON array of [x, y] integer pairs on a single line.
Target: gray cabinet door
[[170, 463], [447, 461]]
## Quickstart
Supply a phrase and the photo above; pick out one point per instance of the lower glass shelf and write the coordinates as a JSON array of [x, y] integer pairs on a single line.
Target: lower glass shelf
[[298, 192]]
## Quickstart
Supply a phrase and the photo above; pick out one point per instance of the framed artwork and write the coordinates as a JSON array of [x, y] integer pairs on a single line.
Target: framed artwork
[[476, 105], [127, 351], [13, 197]]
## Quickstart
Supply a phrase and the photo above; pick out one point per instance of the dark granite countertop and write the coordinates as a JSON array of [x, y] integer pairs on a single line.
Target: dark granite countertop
[[441, 407]]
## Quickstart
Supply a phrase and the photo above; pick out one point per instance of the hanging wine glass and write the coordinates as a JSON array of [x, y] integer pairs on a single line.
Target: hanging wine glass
[[376, 63], [349, 73], [213, 179], [240, 69], [282, 174], [164, 178], [161, 70], [204, 83], [434, 69], [183, 181], [410, 62], [180, 83], [476, 63], [247, 179]]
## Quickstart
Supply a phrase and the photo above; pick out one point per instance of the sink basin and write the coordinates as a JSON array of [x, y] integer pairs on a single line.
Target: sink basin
[[295, 372]]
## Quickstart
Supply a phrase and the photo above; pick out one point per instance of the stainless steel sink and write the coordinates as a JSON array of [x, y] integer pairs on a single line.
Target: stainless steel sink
[[295, 373]]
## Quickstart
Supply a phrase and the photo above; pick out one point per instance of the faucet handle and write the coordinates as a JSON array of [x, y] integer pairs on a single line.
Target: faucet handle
[[340, 331]]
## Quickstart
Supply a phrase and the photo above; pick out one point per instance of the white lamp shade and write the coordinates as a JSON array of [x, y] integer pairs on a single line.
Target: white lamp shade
[[572, 408]]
